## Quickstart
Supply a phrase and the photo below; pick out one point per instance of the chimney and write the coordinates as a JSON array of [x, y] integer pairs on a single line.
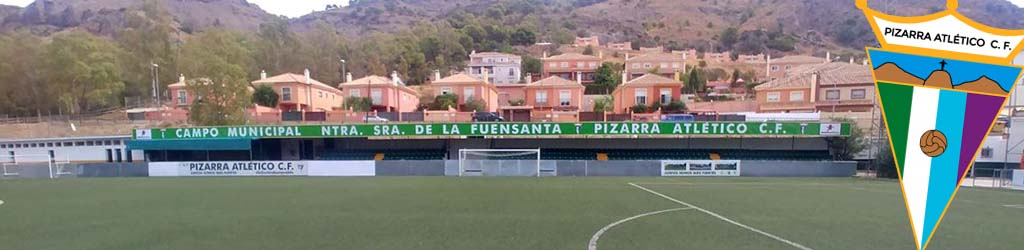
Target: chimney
[[625, 77], [677, 76], [864, 62], [579, 77], [437, 75], [768, 68], [529, 78], [851, 60], [473, 53], [308, 80], [600, 54], [348, 77], [828, 56], [487, 76], [181, 78], [815, 77], [263, 75], [545, 55], [394, 78], [627, 56]]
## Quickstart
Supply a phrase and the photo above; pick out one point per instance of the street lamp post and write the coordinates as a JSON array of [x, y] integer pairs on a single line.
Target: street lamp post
[[155, 70], [343, 72]]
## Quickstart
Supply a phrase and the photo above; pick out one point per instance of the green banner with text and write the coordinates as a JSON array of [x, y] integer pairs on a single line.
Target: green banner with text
[[501, 129]]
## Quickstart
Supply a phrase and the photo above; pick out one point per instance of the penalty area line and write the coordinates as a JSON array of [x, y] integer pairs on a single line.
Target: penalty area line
[[597, 235], [723, 218]]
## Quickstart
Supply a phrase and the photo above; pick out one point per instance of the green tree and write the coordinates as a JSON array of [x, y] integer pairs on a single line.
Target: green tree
[[603, 104], [693, 82], [475, 105], [676, 106], [358, 104], [323, 50], [85, 70], [735, 79], [147, 40], [220, 61], [23, 86], [845, 148], [532, 65], [523, 36], [265, 96], [606, 78], [728, 38], [640, 109], [443, 102], [278, 47], [589, 50]]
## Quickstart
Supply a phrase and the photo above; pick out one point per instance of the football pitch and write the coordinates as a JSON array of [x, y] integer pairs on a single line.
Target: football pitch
[[489, 213]]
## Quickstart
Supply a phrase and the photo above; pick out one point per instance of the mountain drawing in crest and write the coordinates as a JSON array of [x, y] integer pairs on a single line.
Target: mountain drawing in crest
[[893, 73]]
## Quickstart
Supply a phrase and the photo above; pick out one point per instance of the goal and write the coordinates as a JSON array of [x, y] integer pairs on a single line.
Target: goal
[[14, 165], [503, 162]]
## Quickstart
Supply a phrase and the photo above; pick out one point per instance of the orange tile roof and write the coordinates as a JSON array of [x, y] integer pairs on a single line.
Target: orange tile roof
[[291, 78], [554, 81], [572, 56], [835, 73], [799, 59], [374, 80], [650, 80], [656, 57]]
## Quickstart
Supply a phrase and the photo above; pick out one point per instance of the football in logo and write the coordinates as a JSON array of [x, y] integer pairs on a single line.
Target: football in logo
[[933, 143]]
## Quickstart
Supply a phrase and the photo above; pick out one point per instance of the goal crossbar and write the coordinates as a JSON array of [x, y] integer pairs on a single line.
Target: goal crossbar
[[482, 168]]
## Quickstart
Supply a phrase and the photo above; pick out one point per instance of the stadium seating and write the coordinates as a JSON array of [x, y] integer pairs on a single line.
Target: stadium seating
[[592, 154]]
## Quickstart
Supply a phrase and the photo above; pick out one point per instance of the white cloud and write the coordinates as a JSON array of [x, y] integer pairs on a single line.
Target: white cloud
[[289, 8], [1019, 3]]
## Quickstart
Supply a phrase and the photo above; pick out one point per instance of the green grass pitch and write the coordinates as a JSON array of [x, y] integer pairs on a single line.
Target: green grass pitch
[[486, 213]]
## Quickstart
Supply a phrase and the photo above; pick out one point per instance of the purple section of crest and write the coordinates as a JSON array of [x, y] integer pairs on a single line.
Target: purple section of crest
[[980, 111]]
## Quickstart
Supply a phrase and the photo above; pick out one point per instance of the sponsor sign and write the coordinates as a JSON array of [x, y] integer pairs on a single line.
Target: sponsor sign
[[229, 168], [498, 129], [693, 168]]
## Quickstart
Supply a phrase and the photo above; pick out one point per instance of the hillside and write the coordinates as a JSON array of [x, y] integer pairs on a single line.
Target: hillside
[[815, 24], [106, 17]]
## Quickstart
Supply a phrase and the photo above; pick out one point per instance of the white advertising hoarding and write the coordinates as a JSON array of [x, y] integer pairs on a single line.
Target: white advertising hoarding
[[694, 168], [262, 168], [1018, 178]]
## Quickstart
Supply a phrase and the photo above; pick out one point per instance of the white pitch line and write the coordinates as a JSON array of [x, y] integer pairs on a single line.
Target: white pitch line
[[723, 218], [597, 235], [1008, 205]]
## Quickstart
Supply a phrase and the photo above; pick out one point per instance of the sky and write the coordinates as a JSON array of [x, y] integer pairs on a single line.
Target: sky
[[289, 8]]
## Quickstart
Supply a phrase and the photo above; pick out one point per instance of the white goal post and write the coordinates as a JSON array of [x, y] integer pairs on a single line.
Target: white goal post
[[11, 165], [502, 162]]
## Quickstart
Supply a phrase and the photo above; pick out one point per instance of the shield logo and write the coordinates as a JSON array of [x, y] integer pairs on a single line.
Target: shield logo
[[941, 80]]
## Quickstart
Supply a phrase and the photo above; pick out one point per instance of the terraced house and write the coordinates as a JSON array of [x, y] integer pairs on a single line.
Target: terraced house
[[664, 64], [386, 95], [831, 87], [571, 66], [302, 93]]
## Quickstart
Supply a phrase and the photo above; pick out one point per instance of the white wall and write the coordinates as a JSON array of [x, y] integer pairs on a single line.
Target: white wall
[[95, 153]]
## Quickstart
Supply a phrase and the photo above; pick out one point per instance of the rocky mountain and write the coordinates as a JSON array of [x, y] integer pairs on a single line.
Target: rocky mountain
[[982, 85], [811, 25], [890, 72], [107, 16]]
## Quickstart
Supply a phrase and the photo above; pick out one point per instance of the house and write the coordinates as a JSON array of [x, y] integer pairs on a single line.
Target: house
[[664, 64], [592, 41], [718, 57], [468, 88], [724, 87], [831, 87], [554, 93], [659, 49], [386, 95], [779, 68], [502, 68], [181, 97], [302, 93], [621, 46], [751, 59], [646, 90], [570, 66]]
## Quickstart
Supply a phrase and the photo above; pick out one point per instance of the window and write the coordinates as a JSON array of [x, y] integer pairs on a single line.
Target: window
[[647, 65], [858, 94], [797, 96], [641, 96], [775, 67], [49, 144], [664, 65], [286, 94], [553, 65], [579, 65], [512, 72], [773, 96], [541, 98], [67, 144], [182, 97], [376, 96], [636, 65], [79, 143], [666, 96], [90, 143], [832, 94], [593, 65], [355, 93], [565, 64], [789, 67], [564, 98], [675, 65], [446, 90], [986, 153], [320, 94], [469, 92], [3, 145]]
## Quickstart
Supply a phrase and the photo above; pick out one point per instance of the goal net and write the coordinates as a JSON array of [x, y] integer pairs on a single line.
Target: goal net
[[502, 162], [18, 165]]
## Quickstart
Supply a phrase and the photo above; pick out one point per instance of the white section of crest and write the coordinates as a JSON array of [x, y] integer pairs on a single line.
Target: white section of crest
[[597, 236], [723, 218], [952, 26], [918, 165]]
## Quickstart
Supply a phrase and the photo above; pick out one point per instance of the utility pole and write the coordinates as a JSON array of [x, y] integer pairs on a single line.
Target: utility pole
[[154, 71]]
